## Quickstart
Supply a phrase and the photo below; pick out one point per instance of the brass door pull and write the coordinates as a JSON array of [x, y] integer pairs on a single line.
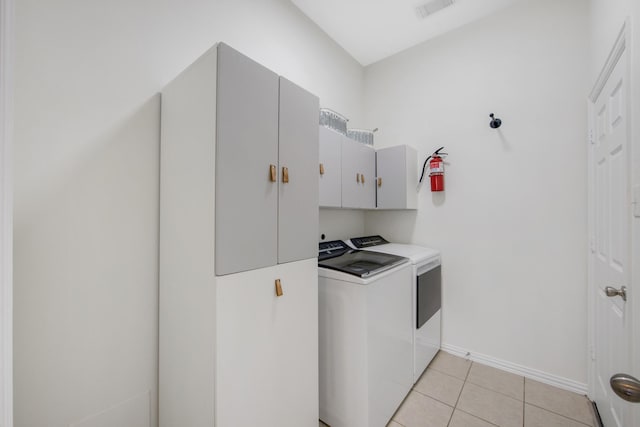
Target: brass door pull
[[285, 174], [358, 177], [321, 169], [278, 288], [379, 182], [362, 178], [272, 172]]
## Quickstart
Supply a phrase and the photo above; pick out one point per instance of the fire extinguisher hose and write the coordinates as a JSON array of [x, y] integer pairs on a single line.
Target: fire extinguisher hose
[[424, 166]]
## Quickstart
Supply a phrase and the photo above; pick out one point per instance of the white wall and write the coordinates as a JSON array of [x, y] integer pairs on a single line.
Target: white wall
[[86, 184], [340, 224], [511, 224]]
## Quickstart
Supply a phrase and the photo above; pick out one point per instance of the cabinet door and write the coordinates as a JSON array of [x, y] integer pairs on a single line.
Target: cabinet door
[[246, 145], [368, 177], [391, 185], [298, 188], [330, 168], [267, 347], [353, 161], [350, 174], [396, 170]]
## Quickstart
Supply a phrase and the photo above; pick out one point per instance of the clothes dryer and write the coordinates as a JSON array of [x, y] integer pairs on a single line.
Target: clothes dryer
[[426, 295]]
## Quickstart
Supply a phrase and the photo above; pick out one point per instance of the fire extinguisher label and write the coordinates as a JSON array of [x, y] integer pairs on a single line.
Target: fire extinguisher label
[[436, 167]]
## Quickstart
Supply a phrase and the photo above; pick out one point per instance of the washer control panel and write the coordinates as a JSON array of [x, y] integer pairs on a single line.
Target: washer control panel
[[331, 249], [368, 241]]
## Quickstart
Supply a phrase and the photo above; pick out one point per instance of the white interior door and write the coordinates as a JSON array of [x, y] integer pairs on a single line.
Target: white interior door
[[610, 235]]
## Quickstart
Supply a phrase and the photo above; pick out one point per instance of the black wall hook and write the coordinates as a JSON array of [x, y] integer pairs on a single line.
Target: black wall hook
[[495, 122]]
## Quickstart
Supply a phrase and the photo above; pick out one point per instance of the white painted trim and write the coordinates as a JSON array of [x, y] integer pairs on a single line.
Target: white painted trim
[[514, 368], [634, 168], [6, 213], [615, 54], [591, 303]]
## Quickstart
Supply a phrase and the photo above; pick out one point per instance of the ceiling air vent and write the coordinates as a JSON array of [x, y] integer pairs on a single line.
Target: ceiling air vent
[[432, 7]]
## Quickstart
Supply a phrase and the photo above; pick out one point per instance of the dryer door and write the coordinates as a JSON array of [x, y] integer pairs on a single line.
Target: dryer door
[[428, 293]]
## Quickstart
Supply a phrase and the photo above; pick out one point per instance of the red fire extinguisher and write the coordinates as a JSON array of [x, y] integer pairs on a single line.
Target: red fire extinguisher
[[436, 170]]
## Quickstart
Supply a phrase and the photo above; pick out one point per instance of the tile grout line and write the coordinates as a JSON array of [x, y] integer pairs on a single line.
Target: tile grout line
[[465, 382], [433, 398], [466, 377], [555, 413], [455, 406], [441, 372], [480, 418], [447, 374], [494, 391], [486, 389]]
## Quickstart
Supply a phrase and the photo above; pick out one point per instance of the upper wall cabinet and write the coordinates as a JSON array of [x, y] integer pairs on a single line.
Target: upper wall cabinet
[[358, 175], [396, 170], [266, 157], [354, 175], [330, 168]]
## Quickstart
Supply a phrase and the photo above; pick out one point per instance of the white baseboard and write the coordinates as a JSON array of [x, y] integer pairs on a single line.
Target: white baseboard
[[534, 374]]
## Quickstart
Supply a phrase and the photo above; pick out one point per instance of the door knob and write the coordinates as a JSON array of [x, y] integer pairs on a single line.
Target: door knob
[[613, 292], [379, 182], [272, 173], [321, 169], [626, 387], [285, 174]]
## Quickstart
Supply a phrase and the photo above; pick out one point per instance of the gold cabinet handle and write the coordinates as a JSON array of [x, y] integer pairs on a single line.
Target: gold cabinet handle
[[278, 288], [321, 169], [272, 172], [362, 178], [358, 177], [285, 174], [379, 182]]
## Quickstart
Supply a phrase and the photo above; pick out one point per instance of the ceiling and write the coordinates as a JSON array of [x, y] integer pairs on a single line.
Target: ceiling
[[371, 30]]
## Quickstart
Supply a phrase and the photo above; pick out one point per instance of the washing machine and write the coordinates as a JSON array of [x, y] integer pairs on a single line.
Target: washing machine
[[426, 289], [365, 335]]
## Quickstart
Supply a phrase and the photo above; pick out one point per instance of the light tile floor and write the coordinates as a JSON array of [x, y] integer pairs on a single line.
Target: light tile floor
[[454, 392]]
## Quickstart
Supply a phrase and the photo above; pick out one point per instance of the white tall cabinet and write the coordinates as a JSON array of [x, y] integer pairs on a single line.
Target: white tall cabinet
[[238, 240]]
